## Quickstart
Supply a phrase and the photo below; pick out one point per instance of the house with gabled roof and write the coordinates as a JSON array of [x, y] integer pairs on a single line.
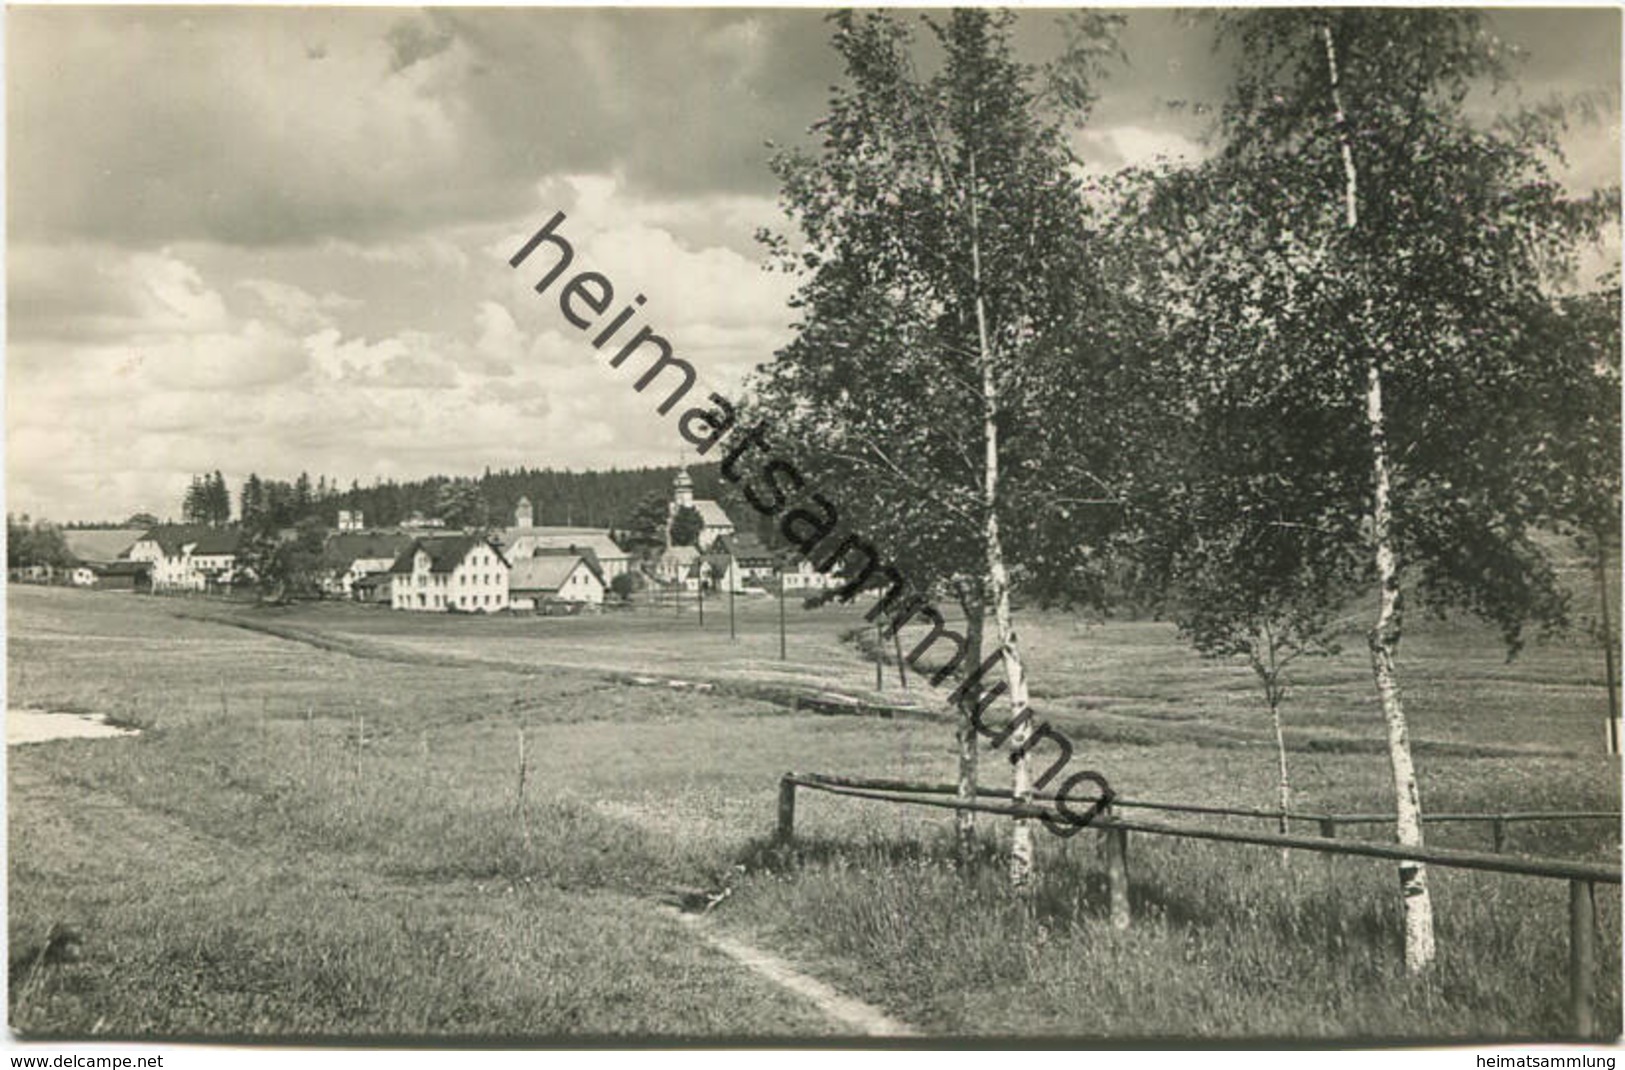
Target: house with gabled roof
[[677, 565], [555, 576], [526, 537], [188, 557], [719, 572], [752, 560], [444, 573], [348, 556]]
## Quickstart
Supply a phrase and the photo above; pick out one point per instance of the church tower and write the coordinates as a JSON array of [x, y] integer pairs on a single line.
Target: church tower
[[682, 491], [524, 516]]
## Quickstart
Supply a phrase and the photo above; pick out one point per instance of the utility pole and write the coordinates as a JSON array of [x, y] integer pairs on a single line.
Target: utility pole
[[733, 581], [782, 654]]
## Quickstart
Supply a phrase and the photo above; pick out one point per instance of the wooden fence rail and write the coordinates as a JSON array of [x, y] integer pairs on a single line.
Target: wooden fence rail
[[1583, 877], [1328, 824]]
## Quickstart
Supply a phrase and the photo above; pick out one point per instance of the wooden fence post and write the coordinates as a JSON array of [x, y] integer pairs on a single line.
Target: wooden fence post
[[1498, 835], [1117, 876], [1328, 830], [1582, 953], [787, 811]]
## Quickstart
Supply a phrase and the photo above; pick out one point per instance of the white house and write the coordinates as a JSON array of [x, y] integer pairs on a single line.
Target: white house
[[555, 576], [188, 557], [753, 562], [678, 564], [439, 573], [802, 576]]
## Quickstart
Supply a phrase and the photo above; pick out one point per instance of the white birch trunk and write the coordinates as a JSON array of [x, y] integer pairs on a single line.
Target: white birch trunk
[[998, 578], [1385, 634], [965, 736], [1280, 754]]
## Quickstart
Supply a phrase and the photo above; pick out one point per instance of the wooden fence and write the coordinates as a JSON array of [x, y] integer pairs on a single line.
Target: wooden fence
[[1583, 877]]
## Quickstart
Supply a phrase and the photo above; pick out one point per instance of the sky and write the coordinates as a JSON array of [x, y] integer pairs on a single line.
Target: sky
[[277, 239]]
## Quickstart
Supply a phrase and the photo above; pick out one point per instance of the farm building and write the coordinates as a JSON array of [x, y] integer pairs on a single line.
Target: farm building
[[123, 576], [439, 573], [373, 588], [555, 576], [348, 556], [524, 539], [214, 557], [803, 576], [676, 564], [719, 572], [752, 560], [188, 557]]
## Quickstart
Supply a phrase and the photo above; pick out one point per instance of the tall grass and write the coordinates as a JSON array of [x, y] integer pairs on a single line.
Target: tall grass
[[1227, 941]]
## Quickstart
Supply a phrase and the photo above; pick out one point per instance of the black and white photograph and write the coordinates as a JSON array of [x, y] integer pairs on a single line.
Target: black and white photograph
[[806, 528]]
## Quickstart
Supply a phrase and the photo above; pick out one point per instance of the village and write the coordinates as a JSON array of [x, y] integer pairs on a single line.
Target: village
[[424, 565]]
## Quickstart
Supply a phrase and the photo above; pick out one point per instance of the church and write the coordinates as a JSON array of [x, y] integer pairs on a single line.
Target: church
[[717, 524]]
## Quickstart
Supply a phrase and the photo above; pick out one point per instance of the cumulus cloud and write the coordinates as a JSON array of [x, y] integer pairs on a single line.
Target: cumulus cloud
[[289, 252]]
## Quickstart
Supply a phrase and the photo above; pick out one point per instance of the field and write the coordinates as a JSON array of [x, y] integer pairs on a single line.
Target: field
[[322, 831]]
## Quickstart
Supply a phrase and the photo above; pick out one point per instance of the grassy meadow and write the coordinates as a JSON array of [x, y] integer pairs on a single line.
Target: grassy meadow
[[321, 832]]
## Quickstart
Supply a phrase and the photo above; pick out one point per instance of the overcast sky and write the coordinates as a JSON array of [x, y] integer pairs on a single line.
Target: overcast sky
[[276, 239]]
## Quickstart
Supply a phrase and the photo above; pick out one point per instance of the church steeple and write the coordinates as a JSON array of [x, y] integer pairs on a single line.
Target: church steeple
[[524, 516], [682, 490]]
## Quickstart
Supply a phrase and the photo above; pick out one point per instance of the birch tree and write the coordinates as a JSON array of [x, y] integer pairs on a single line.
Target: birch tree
[[944, 251], [1384, 259]]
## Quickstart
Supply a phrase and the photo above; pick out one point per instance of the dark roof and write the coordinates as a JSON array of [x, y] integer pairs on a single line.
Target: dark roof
[[122, 568], [340, 550], [744, 546], [446, 552], [172, 537], [218, 541]]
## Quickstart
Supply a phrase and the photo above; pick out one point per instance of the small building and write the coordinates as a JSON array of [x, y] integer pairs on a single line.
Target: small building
[[753, 562], [123, 576], [372, 589], [555, 576], [442, 573], [351, 520], [677, 565], [719, 572], [347, 556], [803, 576]]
